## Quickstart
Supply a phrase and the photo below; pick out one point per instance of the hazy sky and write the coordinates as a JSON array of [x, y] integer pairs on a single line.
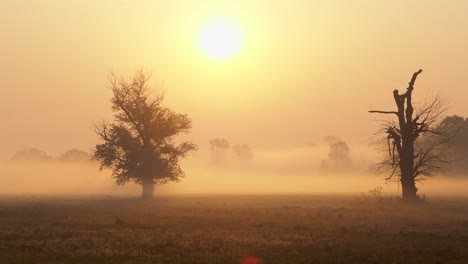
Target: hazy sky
[[307, 68]]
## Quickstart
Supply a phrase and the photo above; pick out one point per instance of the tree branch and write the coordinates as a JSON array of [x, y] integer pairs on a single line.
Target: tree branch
[[383, 112]]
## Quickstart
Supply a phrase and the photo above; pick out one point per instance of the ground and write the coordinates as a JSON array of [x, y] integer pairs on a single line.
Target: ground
[[226, 229]]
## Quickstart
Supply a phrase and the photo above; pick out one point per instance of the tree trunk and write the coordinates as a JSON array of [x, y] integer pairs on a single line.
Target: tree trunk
[[409, 189], [408, 184], [148, 190]]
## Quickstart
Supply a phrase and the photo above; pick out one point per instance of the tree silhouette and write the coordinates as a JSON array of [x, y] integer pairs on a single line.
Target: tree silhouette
[[338, 155], [75, 155], [219, 148], [407, 157], [31, 154], [457, 149], [139, 145], [242, 152]]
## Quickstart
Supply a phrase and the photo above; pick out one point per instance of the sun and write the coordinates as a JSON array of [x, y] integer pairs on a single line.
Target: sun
[[221, 38]]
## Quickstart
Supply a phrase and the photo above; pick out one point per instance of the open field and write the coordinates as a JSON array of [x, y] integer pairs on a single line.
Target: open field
[[224, 229]]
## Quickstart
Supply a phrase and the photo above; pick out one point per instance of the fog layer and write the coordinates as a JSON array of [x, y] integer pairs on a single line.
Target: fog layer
[[285, 171]]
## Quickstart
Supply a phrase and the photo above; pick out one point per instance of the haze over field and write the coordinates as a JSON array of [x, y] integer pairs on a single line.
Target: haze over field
[[338, 56], [303, 70], [292, 171], [220, 131]]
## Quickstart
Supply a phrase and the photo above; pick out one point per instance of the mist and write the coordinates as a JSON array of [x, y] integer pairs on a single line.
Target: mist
[[294, 170]]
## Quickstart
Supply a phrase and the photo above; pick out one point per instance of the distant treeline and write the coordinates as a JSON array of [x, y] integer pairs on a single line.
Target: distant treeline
[[34, 154], [457, 148]]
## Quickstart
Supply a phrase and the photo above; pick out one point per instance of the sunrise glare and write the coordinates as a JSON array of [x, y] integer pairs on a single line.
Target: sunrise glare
[[221, 39], [244, 132]]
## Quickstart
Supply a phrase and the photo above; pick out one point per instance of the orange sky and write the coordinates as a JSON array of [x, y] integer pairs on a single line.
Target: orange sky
[[307, 69]]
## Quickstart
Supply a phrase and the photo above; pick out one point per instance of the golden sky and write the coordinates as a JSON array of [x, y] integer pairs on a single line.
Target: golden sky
[[306, 69]]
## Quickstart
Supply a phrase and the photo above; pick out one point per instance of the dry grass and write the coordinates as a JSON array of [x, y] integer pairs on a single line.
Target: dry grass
[[224, 229]]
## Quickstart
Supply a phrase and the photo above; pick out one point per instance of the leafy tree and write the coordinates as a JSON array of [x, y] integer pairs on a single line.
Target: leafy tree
[[140, 145], [219, 148], [338, 155], [407, 158], [242, 152], [457, 127]]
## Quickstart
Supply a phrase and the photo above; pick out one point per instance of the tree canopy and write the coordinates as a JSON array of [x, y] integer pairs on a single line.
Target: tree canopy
[[31, 154], [75, 155], [457, 148]]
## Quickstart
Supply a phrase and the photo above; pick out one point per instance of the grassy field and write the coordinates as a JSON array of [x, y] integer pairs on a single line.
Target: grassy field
[[225, 229]]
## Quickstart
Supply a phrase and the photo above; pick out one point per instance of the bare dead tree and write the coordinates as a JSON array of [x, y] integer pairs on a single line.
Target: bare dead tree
[[409, 159]]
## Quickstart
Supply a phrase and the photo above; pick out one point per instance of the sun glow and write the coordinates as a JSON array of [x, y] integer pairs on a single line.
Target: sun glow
[[221, 39]]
